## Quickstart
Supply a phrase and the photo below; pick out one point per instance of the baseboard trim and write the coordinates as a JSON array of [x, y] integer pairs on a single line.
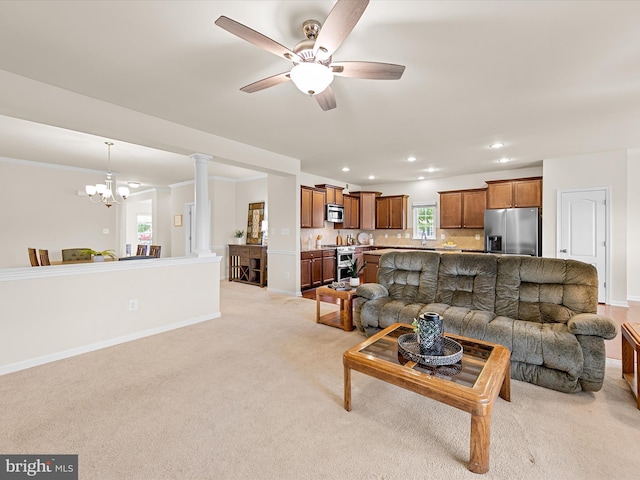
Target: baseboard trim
[[619, 304], [633, 298], [34, 362], [283, 292]]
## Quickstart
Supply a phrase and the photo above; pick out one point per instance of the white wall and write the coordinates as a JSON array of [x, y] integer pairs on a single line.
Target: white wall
[[41, 209], [633, 225], [85, 307], [606, 169], [284, 234]]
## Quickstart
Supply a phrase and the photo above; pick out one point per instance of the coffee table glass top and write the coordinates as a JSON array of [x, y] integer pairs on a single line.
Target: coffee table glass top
[[465, 372]]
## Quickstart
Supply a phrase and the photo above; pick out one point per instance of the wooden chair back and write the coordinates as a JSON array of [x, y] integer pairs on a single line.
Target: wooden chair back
[[142, 250], [44, 257], [154, 250], [33, 257]]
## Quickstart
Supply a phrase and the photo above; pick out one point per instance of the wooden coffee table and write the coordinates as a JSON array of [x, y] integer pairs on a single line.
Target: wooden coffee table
[[343, 318], [472, 385], [631, 357]]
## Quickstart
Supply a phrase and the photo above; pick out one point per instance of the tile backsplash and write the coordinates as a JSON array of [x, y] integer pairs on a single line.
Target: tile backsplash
[[467, 239]]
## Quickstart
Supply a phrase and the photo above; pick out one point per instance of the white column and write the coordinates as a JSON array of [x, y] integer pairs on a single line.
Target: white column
[[201, 193]]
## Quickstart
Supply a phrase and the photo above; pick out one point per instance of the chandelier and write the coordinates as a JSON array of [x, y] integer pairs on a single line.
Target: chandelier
[[105, 190]]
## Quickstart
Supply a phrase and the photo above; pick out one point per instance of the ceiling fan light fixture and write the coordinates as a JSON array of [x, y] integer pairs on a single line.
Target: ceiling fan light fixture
[[311, 78]]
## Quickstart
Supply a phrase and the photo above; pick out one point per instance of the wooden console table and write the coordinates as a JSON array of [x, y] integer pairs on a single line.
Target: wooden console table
[[248, 264]]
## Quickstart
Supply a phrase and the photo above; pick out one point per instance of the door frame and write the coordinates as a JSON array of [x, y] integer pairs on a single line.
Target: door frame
[[607, 231]]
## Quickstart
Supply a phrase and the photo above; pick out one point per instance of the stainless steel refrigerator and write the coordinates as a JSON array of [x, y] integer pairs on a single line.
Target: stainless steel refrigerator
[[513, 230]]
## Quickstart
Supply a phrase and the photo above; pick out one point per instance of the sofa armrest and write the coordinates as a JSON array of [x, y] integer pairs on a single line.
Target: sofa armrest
[[592, 324], [371, 291]]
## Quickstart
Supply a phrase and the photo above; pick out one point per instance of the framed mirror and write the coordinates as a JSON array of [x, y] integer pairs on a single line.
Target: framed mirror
[[254, 223]]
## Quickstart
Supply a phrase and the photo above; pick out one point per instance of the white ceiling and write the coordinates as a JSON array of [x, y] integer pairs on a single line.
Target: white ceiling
[[547, 78]]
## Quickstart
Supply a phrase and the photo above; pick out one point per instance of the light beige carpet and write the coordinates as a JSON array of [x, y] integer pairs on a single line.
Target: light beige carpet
[[257, 394]]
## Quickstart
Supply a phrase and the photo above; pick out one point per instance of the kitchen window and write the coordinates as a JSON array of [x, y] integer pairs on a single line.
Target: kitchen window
[[424, 219]]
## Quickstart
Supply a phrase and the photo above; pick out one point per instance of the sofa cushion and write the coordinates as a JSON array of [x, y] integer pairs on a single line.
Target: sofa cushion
[[545, 290], [462, 321], [467, 281], [382, 312], [410, 276], [547, 344]]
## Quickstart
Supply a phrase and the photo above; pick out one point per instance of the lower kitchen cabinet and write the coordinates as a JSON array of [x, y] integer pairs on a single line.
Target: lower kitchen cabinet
[[371, 270], [317, 267], [328, 266]]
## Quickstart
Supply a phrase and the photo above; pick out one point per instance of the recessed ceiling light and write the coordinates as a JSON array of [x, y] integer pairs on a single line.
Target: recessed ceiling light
[[496, 145], [411, 159], [430, 169], [503, 160], [371, 177], [420, 178], [345, 169], [133, 184]]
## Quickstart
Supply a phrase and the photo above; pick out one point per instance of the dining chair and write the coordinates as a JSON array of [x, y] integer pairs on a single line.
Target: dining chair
[[154, 250], [142, 250], [33, 257], [44, 257]]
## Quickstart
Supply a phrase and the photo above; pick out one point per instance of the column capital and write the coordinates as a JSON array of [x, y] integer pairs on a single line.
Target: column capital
[[200, 157]]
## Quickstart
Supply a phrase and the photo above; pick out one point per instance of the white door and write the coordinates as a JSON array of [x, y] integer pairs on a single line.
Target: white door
[[582, 227]]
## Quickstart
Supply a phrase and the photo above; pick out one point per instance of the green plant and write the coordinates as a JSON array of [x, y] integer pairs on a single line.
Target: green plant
[[239, 233], [354, 270], [103, 253]]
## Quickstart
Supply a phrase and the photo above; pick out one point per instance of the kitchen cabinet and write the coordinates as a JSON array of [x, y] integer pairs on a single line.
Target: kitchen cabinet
[[328, 266], [317, 267], [311, 269], [359, 256], [248, 264], [371, 270], [462, 208], [351, 213], [391, 212], [367, 209], [312, 201], [333, 194], [515, 193], [474, 203]]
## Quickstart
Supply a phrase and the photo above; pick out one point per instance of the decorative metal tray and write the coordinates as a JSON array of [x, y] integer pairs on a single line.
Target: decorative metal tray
[[409, 348]]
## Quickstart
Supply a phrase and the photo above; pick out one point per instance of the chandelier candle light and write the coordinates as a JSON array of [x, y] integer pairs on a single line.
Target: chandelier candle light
[[106, 189]]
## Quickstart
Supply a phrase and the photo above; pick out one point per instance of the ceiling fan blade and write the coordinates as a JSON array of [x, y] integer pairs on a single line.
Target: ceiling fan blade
[[258, 39], [266, 83], [326, 99], [370, 70], [341, 19]]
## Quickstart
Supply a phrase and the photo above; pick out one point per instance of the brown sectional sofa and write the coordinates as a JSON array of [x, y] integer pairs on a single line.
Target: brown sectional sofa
[[542, 309]]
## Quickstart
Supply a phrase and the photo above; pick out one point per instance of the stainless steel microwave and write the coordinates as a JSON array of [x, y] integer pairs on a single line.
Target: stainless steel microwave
[[335, 213]]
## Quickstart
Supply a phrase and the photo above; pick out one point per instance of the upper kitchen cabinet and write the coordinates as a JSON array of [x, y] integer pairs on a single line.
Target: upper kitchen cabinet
[[333, 195], [312, 201], [515, 193], [462, 208], [367, 209], [391, 212], [351, 213]]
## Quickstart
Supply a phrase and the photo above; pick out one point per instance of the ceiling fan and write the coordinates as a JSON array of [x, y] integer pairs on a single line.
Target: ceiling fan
[[313, 66]]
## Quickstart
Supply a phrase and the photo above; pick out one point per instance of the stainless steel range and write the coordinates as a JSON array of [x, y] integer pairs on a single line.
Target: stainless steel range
[[344, 257]]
